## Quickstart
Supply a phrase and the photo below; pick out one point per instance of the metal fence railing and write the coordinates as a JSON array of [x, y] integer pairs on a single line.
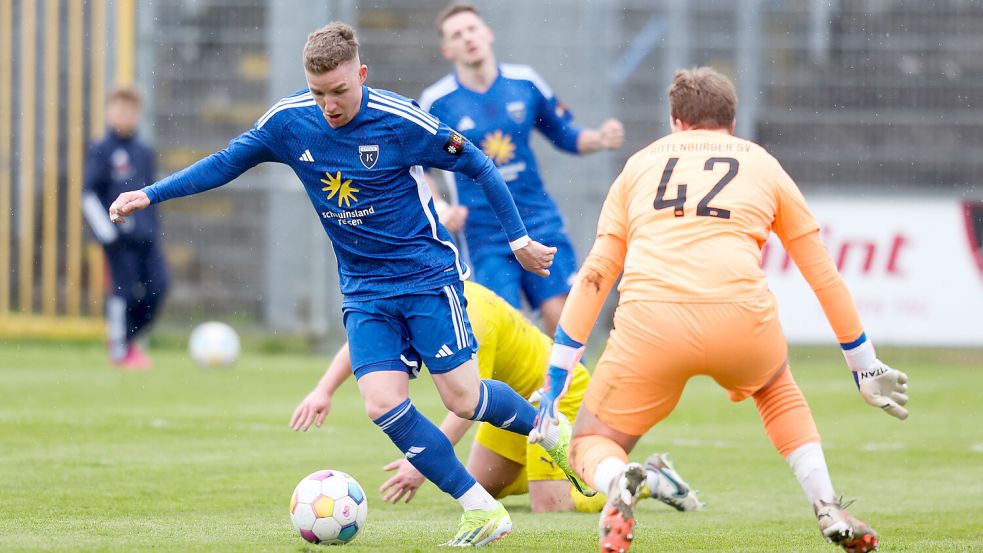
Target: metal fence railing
[[861, 95]]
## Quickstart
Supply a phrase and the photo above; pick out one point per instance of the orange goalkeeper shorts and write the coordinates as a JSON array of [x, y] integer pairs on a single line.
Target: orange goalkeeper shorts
[[656, 347]]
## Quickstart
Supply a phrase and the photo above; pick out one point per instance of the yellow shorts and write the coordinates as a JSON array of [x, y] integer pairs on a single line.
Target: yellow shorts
[[656, 347], [515, 447]]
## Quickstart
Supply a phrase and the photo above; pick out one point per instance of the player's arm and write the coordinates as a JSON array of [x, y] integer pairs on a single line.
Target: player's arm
[[879, 384], [314, 408], [555, 121], [94, 180], [243, 152], [445, 148], [609, 136], [590, 288]]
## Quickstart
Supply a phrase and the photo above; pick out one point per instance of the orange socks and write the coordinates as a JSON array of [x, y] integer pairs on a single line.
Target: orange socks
[[588, 452], [786, 415]]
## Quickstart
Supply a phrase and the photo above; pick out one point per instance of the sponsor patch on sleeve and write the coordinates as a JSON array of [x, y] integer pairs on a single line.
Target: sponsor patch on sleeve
[[455, 144]]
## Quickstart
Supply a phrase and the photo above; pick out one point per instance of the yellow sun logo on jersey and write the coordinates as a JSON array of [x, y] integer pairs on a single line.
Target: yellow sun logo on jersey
[[343, 189], [499, 147]]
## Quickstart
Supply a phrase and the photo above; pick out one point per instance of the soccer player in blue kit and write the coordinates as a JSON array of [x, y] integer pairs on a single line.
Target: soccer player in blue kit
[[497, 106], [358, 152]]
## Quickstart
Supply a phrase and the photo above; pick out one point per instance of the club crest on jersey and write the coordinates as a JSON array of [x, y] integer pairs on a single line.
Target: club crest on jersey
[[455, 144], [517, 111], [368, 154]]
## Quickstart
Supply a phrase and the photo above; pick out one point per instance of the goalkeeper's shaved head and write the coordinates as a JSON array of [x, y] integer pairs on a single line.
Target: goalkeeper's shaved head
[[702, 98]]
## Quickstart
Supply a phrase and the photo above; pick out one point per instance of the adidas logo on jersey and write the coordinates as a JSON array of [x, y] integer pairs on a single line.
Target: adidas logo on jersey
[[306, 156], [444, 352]]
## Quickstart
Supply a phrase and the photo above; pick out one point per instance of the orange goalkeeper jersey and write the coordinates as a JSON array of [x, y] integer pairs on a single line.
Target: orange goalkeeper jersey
[[694, 209]]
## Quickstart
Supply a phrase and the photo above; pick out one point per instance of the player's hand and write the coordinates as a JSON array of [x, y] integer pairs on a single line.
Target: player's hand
[[127, 203], [536, 258], [312, 410], [549, 396], [884, 387], [453, 217], [406, 481], [612, 134]]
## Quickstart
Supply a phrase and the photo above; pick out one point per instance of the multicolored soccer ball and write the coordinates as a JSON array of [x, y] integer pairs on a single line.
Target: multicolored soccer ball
[[328, 507]]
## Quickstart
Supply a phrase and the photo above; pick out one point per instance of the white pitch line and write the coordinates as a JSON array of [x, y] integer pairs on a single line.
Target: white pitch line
[[889, 446]]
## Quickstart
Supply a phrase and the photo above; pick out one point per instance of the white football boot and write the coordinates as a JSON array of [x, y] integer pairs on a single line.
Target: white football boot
[[665, 484], [842, 528], [618, 514]]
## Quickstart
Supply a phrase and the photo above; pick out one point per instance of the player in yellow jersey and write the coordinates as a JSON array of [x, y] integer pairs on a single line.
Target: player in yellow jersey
[[514, 351], [685, 221]]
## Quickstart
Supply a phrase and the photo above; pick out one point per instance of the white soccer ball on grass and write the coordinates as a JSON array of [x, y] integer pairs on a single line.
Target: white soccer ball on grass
[[214, 344]]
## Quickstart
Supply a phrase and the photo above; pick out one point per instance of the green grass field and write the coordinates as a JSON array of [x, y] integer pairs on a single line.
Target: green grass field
[[184, 459]]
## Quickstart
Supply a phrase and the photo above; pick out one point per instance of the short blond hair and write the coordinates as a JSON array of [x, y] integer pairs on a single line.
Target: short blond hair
[[702, 97], [330, 46], [450, 11], [125, 93]]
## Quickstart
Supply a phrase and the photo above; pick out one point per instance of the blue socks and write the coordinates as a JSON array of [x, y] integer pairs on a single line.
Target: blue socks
[[426, 448], [500, 405], [429, 450]]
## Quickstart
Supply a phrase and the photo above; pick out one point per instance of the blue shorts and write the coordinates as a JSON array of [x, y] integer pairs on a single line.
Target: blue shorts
[[398, 333], [502, 274]]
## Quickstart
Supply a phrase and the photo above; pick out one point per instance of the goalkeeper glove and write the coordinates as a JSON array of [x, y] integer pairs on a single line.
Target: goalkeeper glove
[[564, 358], [879, 384]]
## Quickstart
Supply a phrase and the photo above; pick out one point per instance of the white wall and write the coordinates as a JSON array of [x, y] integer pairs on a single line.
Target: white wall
[[911, 264]]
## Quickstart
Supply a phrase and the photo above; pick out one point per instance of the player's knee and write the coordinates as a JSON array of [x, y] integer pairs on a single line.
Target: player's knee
[[577, 445], [462, 405], [378, 405], [550, 496]]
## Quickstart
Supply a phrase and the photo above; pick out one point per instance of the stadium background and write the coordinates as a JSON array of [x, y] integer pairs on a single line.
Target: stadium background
[[871, 99]]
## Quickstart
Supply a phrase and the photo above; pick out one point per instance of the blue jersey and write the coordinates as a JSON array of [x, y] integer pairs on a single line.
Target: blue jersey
[[114, 165], [366, 184], [500, 122]]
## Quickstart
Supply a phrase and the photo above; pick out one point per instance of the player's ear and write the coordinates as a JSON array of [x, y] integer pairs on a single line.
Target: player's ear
[[363, 72], [733, 126], [444, 52]]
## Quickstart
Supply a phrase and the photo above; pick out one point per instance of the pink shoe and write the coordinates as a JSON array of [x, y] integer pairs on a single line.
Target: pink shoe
[[134, 360]]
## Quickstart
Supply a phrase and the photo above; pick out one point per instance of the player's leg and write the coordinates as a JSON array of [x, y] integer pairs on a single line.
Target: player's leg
[[441, 332], [438, 333], [550, 310], [491, 464], [154, 279], [507, 464], [638, 381], [382, 363], [552, 496], [547, 295], [439, 324], [124, 269], [500, 273], [748, 355], [792, 431], [498, 404]]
